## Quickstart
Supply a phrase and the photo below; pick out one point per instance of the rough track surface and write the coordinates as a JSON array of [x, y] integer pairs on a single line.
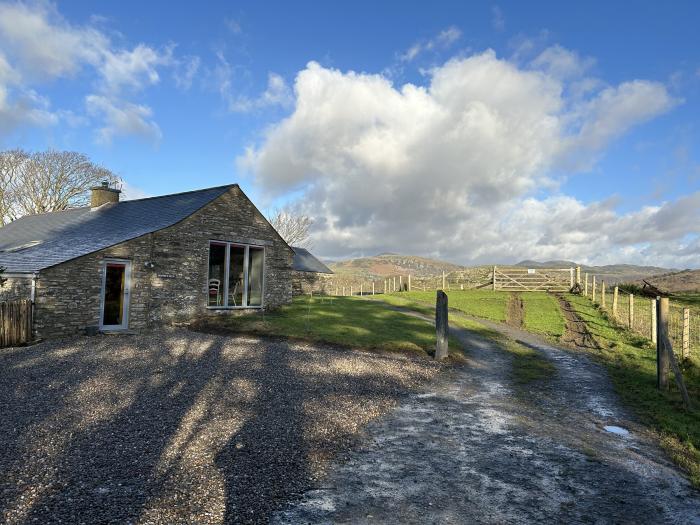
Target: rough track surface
[[576, 334], [515, 311], [181, 427], [475, 449]]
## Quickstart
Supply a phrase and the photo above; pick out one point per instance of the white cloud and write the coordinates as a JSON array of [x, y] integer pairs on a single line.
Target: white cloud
[[134, 69], [186, 72], [452, 168], [222, 78], [562, 63], [277, 93], [131, 192], [443, 40], [498, 22], [39, 45], [121, 118]]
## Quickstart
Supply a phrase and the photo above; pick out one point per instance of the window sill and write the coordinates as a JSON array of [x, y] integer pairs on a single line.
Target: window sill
[[234, 307]]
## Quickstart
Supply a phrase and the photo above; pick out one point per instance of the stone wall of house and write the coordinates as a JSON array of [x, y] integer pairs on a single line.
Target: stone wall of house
[[307, 282], [175, 289], [16, 288]]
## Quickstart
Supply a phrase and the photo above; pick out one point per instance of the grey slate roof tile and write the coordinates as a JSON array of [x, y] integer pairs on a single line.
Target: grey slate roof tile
[[305, 262], [52, 238]]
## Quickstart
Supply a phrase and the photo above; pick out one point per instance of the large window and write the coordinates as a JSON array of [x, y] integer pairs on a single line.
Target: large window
[[235, 275]]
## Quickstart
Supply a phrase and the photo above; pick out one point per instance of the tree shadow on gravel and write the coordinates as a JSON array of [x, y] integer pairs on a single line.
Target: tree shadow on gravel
[[179, 428]]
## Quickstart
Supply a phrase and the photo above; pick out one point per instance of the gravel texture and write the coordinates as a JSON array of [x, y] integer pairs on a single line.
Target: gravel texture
[[182, 427], [475, 448]]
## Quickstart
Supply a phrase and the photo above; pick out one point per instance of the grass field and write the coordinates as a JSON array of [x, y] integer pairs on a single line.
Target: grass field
[[346, 321], [631, 361], [479, 303], [542, 314]]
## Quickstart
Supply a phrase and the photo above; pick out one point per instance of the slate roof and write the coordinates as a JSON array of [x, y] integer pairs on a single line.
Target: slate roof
[[35, 242], [305, 262]]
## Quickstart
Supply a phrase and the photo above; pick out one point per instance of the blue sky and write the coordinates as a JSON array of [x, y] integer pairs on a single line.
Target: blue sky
[[174, 97]]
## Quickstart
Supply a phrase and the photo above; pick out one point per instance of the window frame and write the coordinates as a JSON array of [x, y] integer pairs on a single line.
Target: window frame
[[227, 270]]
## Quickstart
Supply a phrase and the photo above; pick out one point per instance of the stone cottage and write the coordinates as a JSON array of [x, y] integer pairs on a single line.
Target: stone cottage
[[308, 273], [131, 264]]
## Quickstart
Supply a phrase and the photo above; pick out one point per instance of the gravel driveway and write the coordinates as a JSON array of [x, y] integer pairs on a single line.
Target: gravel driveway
[[181, 427], [478, 449]]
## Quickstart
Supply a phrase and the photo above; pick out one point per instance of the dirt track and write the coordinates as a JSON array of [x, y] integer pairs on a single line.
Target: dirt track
[[577, 334], [473, 449]]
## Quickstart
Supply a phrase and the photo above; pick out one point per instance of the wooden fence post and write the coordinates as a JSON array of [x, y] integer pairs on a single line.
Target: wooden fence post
[[400, 283], [361, 289], [686, 333], [441, 326], [602, 293], [343, 291], [351, 290], [409, 282], [578, 277], [594, 288], [631, 317], [614, 308], [585, 286], [372, 287], [571, 278], [653, 321], [494, 278], [394, 283], [662, 363]]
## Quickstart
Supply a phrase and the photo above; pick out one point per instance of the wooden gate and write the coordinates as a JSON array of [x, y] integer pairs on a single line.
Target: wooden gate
[[15, 322], [533, 279]]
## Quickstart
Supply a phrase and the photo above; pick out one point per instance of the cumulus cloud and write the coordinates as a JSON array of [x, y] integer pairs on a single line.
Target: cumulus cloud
[[39, 45], [456, 168]]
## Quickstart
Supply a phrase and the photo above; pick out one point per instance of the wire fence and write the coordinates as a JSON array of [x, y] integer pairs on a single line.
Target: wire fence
[[638, 314]]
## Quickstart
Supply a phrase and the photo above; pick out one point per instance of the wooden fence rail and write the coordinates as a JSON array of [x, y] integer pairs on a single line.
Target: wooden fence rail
[[15, 323]]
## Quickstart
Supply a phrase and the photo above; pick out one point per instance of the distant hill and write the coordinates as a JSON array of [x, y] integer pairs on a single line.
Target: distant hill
[[389, 264], [384, 265], [610, 273], [683, 281]]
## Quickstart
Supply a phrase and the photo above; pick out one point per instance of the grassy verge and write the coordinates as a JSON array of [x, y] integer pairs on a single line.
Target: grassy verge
[[542, 314], [345, 321], [529, 366], [631, 361]]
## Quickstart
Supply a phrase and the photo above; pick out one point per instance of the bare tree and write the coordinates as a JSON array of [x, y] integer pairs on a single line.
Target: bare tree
[[292, 226], [47, 181], [11, 163]]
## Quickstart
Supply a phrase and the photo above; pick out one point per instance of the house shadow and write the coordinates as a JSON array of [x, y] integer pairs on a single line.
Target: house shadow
[[177, 427]]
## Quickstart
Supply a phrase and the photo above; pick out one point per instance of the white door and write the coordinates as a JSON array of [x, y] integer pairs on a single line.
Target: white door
[[116, 288]]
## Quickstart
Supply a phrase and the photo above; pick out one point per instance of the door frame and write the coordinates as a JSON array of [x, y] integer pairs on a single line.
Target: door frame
[[127, 294]]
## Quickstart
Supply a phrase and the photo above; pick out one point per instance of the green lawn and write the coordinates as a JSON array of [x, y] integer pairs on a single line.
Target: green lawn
[[542, 314], [348, 321], [631, 361], [479, 303]]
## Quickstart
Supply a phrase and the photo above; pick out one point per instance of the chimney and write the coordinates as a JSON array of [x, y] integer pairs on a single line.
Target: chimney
[[103, 194]]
